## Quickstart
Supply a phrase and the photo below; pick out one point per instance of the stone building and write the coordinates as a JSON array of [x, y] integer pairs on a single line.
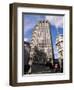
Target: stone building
[[41, 39], [26, 57], [59, 45]]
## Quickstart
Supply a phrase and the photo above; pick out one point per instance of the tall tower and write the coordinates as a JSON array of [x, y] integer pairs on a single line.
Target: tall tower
[[41, 38], [59, 45]]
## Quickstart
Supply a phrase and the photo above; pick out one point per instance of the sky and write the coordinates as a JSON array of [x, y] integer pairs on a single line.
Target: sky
[[56, 23]]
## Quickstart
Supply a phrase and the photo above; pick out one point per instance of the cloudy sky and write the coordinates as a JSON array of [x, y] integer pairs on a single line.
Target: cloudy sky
[[56, 22]]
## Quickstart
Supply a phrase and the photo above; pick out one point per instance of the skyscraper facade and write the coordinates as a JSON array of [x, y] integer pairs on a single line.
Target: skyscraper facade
[[41, 39], [59, 45]]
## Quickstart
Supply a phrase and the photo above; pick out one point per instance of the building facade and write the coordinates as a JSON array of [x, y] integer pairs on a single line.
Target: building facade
[[41, 39], [59, 45]]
